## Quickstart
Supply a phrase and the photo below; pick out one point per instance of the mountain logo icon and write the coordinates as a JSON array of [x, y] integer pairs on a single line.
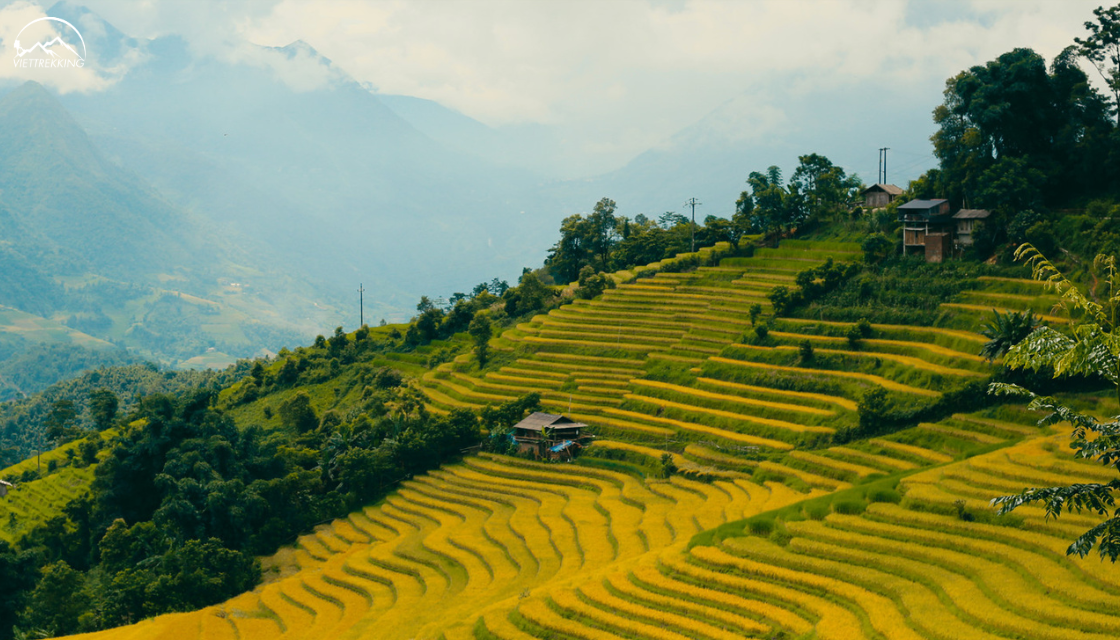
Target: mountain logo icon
[[52, 53]]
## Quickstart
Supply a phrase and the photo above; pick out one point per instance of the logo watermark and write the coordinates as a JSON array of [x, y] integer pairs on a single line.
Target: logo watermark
[[54, 53]]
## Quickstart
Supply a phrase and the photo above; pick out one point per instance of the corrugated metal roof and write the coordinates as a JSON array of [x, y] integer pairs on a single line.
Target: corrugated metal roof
[[537, 421], [971, 214], [894, 190], [922, 204]]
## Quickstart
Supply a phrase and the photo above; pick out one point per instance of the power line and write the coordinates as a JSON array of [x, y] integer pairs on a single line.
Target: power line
[[692, 203]]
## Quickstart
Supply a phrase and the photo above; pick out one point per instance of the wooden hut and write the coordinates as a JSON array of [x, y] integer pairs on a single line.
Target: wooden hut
[[966, 222], [880, 195], [548, 435]]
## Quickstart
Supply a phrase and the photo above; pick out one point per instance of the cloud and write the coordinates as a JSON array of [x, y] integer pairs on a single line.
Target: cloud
[[627, 74], [616, 77]]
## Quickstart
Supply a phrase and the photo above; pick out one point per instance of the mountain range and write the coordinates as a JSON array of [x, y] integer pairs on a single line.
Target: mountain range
[[267, 185]]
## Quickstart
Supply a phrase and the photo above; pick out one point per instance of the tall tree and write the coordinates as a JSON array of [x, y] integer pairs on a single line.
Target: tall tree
[[481, 331], [825, 187], [1010, 124], [103, 405], [1102, 48]]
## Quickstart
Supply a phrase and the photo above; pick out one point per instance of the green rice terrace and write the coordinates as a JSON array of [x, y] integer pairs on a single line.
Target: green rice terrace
[[673, 362]]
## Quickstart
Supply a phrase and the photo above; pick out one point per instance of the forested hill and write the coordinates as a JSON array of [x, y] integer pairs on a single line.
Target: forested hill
[[90, 249]]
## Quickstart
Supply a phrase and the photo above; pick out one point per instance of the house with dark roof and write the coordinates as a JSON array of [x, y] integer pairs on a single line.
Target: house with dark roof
[[966, 220], [927, 228], [548, 435], [880, 195]]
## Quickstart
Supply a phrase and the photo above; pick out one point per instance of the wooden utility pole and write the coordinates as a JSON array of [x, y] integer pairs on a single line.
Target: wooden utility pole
[[692, 202]]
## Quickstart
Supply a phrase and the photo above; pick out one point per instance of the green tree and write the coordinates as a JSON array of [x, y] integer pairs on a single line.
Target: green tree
[[1091, 349], [668, 467], [103, 405], [481, 331], [60, 421], [19, 571], [296, 413], [58, 600], [1012, 134], [1102, 48], [825, 187], [754, 311], [877, 248], [775, 208]]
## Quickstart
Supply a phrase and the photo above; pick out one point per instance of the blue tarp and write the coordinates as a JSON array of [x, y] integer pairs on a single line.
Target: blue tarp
[[560, 447]]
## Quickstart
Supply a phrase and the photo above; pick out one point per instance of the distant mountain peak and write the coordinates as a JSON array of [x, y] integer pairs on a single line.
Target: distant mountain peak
[[300, 47]]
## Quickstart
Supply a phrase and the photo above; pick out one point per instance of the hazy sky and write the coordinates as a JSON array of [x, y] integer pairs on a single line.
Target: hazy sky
[[620, 76]]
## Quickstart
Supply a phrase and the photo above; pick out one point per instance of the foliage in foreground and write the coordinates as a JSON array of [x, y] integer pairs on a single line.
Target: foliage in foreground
[[1091, 349]]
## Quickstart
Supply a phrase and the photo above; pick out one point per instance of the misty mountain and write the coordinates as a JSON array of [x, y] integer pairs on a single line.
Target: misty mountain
[[91, 249], [280, 145]]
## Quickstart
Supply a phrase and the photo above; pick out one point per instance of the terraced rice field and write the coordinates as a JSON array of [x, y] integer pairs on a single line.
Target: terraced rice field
[[603, 360], [498, 548], [784, 539], [32, 503], [479, 539]]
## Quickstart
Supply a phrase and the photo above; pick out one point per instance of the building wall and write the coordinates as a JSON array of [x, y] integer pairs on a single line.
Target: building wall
[[877, 199], [938, 247]]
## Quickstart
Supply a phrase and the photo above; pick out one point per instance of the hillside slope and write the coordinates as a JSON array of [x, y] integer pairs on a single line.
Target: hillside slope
[[493, 549]]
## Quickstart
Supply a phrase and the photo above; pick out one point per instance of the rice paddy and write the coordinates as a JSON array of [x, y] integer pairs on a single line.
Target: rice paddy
[[768, 531]]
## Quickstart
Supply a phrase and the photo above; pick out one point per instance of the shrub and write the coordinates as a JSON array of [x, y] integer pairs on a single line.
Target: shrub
[[849, 506], [962, 512], [784, 300], [864, 328], [754, 312], [761, 527], [668, 468], [877, 248], [816, 510], [884, 494], [760, 333], [805, 349]]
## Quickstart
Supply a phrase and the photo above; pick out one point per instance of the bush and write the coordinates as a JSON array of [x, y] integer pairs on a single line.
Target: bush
[[754, 312], [884, 494], [849, 506], [783, 300], [805, 349], [816, 510], [760, 333], [877, 248], [760, 527]]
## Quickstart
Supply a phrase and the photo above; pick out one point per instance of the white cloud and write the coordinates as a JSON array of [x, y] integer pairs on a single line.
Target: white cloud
[[618, 76], [626, 74]]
